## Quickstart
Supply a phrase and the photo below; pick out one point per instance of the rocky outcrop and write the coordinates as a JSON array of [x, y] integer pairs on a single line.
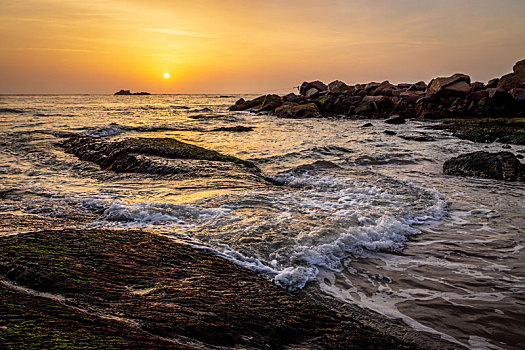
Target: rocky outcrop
[[158, 156], [499, 166], [444, 97], [129, 93]]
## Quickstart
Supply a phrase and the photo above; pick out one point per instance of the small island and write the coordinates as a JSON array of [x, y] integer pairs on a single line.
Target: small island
[[129, 93]]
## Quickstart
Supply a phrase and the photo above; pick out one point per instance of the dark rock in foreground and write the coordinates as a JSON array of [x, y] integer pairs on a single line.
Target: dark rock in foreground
[[137, 290], [129, 93], [499, 166]]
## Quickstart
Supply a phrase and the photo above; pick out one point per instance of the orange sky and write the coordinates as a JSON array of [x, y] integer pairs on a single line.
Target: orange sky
[[250, 46]]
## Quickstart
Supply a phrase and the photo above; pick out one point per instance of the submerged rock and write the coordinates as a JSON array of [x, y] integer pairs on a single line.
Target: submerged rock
[[237, 128], [395, 119], [499, 166], [148, 155]]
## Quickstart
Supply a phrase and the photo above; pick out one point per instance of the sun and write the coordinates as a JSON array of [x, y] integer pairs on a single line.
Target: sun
[[166, 75]]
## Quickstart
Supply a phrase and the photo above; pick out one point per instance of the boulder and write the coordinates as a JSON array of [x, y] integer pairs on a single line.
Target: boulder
[[371, 86], [318, 85], [367, 125], [499, 166], [477, 86], [294, 98], [312, 93], [242, 106], [492, 83], [518, 94], [384, 89], [294, 110], [366, 107], [455, 85], [270, 103], [338, 87], [519, 70], [499, 96], [381, 102], [412, 96], [477, 95], [419, 86], [509, 82], [395, 119]]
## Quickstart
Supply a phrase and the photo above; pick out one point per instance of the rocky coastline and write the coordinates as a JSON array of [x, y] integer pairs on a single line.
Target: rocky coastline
[[443, 98]]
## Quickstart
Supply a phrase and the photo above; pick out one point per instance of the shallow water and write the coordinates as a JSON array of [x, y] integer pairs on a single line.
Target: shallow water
[[367, 217]]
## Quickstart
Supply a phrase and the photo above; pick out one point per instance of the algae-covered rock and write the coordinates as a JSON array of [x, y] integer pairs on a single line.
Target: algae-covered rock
[[139, 290], [143, 155], [499, 166]]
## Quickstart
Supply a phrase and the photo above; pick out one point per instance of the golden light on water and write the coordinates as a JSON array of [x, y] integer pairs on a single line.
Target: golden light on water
[[166, 75]]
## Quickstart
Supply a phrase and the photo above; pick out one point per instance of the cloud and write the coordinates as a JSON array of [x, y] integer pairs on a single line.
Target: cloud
[[180, 32]]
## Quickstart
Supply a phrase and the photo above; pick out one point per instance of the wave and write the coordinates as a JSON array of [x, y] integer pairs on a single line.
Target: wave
[[313, 224]]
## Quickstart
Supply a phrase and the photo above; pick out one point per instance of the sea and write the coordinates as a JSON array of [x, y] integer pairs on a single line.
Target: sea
[[362, 216]]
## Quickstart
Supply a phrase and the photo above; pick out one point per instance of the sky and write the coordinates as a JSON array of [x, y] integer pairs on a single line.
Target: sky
[[250, 46]]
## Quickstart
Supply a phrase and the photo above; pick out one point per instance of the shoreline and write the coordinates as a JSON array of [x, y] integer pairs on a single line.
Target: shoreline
[[177, 296]]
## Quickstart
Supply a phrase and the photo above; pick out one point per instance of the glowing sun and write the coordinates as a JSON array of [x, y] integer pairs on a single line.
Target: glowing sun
[[166, 75]]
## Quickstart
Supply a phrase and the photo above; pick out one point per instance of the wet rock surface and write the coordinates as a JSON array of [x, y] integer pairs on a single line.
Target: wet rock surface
[[153, 156], [131, 289], [499, 166]]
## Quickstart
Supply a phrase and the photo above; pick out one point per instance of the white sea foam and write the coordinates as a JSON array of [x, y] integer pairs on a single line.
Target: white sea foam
[[316, 223]]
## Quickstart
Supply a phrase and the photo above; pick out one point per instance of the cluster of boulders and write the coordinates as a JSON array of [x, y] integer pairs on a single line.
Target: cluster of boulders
[[454, 96]]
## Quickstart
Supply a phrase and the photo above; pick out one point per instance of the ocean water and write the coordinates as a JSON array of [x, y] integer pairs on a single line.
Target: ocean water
[[364, 217]]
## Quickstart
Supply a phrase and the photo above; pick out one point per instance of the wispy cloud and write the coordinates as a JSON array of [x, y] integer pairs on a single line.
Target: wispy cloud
[[45, 49], [180, 32]]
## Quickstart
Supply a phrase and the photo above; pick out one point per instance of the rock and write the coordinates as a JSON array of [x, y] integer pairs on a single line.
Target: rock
[[237, 128], [242, 106], [477, 95], [338, 87], [518, 94], [499, 166], [371, 86], [318, 85], [493, 83], [390, 132], [457, 84], [294, 98], [366, 107], [381, 102], [412, 96], [367, 125], [384, 89], [312, 93], [509, 82], [418, 138], [419, 86], [129, 93], [270, 103], [477, 86], [143, 155], [519, 70], [499, 96], [293, 110], [395, 119]]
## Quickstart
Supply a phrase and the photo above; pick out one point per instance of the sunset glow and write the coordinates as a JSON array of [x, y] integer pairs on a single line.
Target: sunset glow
[[53, 46], [166, 75]]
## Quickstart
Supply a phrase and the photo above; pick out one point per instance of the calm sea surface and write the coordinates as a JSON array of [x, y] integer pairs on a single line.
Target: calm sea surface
[[366, 217]]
